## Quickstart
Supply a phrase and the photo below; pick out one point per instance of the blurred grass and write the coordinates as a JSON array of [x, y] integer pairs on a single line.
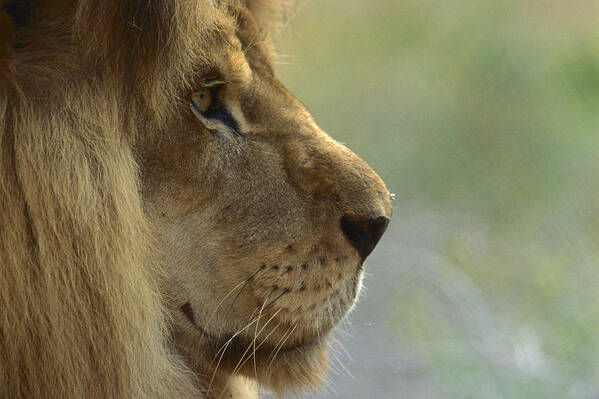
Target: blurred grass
[[487, 114]]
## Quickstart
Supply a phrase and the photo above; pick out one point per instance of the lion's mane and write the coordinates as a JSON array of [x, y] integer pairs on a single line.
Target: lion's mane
[[81, 310]]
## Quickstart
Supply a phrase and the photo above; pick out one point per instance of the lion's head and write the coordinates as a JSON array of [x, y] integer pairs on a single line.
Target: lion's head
[[260, 220], [265, 220]]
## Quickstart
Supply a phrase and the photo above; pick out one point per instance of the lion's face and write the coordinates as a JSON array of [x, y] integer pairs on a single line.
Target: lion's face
[[263, 220]]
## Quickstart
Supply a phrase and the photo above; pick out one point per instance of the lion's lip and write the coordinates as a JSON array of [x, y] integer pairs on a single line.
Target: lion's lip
[[303, 345], [240, 340]]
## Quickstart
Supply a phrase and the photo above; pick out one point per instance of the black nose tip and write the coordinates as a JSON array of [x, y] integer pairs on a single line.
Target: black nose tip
[[363, 233]]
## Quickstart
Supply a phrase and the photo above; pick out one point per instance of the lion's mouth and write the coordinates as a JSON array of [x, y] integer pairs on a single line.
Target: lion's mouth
[[282, 340], [237, 338], [303, 323], [237, 344], [241, 354]]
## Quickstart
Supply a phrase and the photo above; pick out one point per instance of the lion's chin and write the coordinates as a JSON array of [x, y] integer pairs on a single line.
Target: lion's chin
[[289, 369], [299, 369], [295, 369]]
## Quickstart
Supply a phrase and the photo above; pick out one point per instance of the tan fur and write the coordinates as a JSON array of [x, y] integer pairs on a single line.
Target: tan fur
[[134, 242]]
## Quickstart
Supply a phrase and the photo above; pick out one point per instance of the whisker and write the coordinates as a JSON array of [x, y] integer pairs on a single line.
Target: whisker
[[217, 364], [280, 347], [250, 345], [222, 350], [285, 292], [246, 283], [278, 343], [250, 322], [261, 310], [337, 356], [258, 347], [224, 347], [256, 329], [239, 364]]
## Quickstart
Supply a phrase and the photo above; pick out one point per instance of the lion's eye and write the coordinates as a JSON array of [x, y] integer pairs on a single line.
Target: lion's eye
[[206, 98], [202, 100], [211, 109]]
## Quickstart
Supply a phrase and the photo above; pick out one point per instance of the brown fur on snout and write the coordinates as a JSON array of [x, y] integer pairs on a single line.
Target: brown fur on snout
[[147, 249]]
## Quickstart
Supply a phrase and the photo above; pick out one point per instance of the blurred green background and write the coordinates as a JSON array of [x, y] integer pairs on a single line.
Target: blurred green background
[[483, 117]]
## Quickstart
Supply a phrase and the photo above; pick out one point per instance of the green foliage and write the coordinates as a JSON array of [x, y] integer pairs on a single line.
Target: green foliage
[[487, 114]]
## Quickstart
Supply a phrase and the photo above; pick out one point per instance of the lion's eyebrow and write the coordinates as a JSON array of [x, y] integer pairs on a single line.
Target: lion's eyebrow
[[239, 70]]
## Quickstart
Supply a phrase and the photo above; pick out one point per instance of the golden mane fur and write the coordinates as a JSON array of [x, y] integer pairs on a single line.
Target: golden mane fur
[[84, 312]]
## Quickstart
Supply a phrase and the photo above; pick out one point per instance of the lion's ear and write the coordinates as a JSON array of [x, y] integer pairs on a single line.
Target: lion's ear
[[271, 15]]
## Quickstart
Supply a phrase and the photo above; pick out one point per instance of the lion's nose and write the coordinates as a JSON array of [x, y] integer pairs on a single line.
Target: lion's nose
[[363, 232]]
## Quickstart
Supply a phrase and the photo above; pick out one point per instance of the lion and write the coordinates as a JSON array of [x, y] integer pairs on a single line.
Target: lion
[[173, 222]]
